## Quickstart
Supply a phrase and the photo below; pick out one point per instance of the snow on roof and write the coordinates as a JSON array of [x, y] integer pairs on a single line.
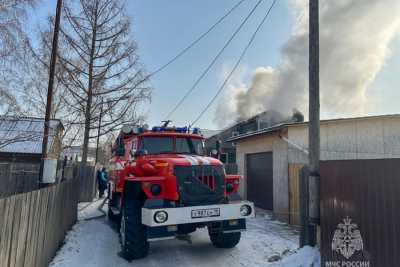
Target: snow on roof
[[25, 134]]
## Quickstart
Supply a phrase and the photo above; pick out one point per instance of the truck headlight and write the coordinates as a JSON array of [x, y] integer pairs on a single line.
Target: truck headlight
[[245, 210], [160, 216]]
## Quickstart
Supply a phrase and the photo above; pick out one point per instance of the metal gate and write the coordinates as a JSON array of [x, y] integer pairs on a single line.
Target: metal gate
[[360, 216], [260, 179]]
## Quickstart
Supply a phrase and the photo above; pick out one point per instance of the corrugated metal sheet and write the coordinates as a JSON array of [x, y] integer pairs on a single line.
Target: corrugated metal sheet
[[374, 138], [24, 135], [367, 192]]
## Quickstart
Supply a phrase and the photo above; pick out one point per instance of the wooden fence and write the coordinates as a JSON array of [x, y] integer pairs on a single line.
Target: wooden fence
[[86, 176], [294, 193], [87, 182], [33, 225], [16, 177]]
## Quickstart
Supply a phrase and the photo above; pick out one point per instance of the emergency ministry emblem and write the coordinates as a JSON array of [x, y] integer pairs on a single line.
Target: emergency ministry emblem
[[347, 238]]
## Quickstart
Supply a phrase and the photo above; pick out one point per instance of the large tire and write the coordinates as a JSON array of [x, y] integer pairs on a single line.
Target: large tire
[[225, 240], [133, 233], [114, 202]]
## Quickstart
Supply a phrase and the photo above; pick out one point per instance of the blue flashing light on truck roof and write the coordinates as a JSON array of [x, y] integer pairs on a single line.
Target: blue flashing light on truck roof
[[181, 129], [169, 129], [173, 129], [196, 131]]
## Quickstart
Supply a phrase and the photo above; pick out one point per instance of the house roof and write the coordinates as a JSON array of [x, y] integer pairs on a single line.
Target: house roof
[[209, 133], [252, 118], [280, 126], [231, 126], [25, 134], [271, 129], [385, 116]]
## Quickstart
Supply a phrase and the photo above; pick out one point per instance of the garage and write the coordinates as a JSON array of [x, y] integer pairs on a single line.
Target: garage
[[260, 179]]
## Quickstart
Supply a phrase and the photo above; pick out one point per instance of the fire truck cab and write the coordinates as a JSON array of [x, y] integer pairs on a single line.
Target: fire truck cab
[[162, 185]]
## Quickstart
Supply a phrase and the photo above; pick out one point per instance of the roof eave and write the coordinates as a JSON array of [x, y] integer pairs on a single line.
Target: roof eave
[[259, 132]]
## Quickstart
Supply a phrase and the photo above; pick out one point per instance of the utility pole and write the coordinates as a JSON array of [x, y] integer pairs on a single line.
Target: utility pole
[[314, 116], [98, 132], [53, 60]]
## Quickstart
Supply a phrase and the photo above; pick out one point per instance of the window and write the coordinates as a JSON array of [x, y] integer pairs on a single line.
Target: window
[[182, 145], [134, 145], [198, 145], [157, 145], [223, 158], [187, 145], [231, 157], [120, 147]]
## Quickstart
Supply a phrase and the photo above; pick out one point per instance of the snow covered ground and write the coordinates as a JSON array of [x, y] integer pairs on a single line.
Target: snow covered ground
[[93, 242]]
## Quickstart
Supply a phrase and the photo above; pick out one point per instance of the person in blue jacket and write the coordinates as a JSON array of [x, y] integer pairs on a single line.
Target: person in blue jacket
[[102, 181]]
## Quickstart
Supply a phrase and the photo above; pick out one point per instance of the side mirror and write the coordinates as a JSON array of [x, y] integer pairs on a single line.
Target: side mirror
[[141, 152]]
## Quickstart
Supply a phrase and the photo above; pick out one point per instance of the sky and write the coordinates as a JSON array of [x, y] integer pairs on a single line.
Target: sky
[[163, 28]]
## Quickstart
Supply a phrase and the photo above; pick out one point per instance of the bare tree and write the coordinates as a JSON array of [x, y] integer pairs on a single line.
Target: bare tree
[[12, 14], [8, 102], [12, 40], [36, 70], [33, 82], [102, 66]]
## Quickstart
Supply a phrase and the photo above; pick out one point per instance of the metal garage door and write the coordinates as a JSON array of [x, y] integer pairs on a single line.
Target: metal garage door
[[260, 179]]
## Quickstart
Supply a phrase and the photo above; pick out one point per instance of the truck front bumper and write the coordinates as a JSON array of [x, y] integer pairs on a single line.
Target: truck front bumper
[[197, 214]]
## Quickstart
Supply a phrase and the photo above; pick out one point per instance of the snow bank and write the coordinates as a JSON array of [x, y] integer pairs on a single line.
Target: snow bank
[[94, 243], [305, 257], [90, 210]]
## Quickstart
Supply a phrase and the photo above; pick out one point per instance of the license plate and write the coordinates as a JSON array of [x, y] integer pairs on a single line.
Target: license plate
[[204, 213]]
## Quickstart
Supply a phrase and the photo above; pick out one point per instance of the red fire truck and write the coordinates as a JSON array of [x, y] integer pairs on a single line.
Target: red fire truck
[[162, 185]]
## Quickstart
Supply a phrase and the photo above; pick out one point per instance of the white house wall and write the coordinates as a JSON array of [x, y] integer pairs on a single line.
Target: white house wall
[[368, 138], [365, 138], [274, 144]]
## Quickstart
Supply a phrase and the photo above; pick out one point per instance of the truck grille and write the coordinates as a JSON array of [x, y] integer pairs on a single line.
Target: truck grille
[[200, 185], [208, 180]]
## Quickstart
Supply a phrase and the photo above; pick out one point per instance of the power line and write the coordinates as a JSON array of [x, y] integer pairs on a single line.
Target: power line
[[196, 40], [214, 60], [236, 65]]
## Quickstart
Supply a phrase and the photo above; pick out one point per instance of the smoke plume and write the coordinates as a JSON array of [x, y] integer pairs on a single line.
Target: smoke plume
[[355, 37]]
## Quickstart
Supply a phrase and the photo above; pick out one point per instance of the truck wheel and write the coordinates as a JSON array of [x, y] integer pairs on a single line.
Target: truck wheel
[[225, 240], [133, 233], [114, 203]]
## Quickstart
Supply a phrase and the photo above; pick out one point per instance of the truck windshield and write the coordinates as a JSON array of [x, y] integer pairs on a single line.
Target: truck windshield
[[157, 145], [186, 145], [183, 145]]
